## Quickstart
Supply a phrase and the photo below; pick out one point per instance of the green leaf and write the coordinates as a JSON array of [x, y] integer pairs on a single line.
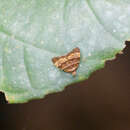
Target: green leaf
[[32, 32]]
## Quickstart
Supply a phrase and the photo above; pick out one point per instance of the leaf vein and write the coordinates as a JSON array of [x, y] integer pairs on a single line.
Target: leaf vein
[[99, 21], [26, 68], [7, 33]]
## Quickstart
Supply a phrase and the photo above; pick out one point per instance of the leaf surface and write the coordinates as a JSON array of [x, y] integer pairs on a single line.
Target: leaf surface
[[32, 32]]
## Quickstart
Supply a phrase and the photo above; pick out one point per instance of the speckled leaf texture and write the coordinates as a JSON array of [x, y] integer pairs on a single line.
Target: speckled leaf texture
[[32, 32]]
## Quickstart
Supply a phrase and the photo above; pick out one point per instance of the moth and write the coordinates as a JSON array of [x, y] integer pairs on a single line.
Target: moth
[[68, 63]]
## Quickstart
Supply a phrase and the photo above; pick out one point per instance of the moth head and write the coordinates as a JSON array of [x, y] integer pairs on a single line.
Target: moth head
[[55, 59]]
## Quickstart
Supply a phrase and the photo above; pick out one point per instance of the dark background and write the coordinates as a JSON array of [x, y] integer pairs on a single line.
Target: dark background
[[100, 103]]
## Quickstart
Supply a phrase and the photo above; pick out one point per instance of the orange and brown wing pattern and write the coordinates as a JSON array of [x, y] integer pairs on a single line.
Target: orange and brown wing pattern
[[68, 63]]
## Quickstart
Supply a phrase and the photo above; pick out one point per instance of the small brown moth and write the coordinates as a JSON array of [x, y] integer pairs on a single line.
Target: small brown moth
[[68, 63]]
